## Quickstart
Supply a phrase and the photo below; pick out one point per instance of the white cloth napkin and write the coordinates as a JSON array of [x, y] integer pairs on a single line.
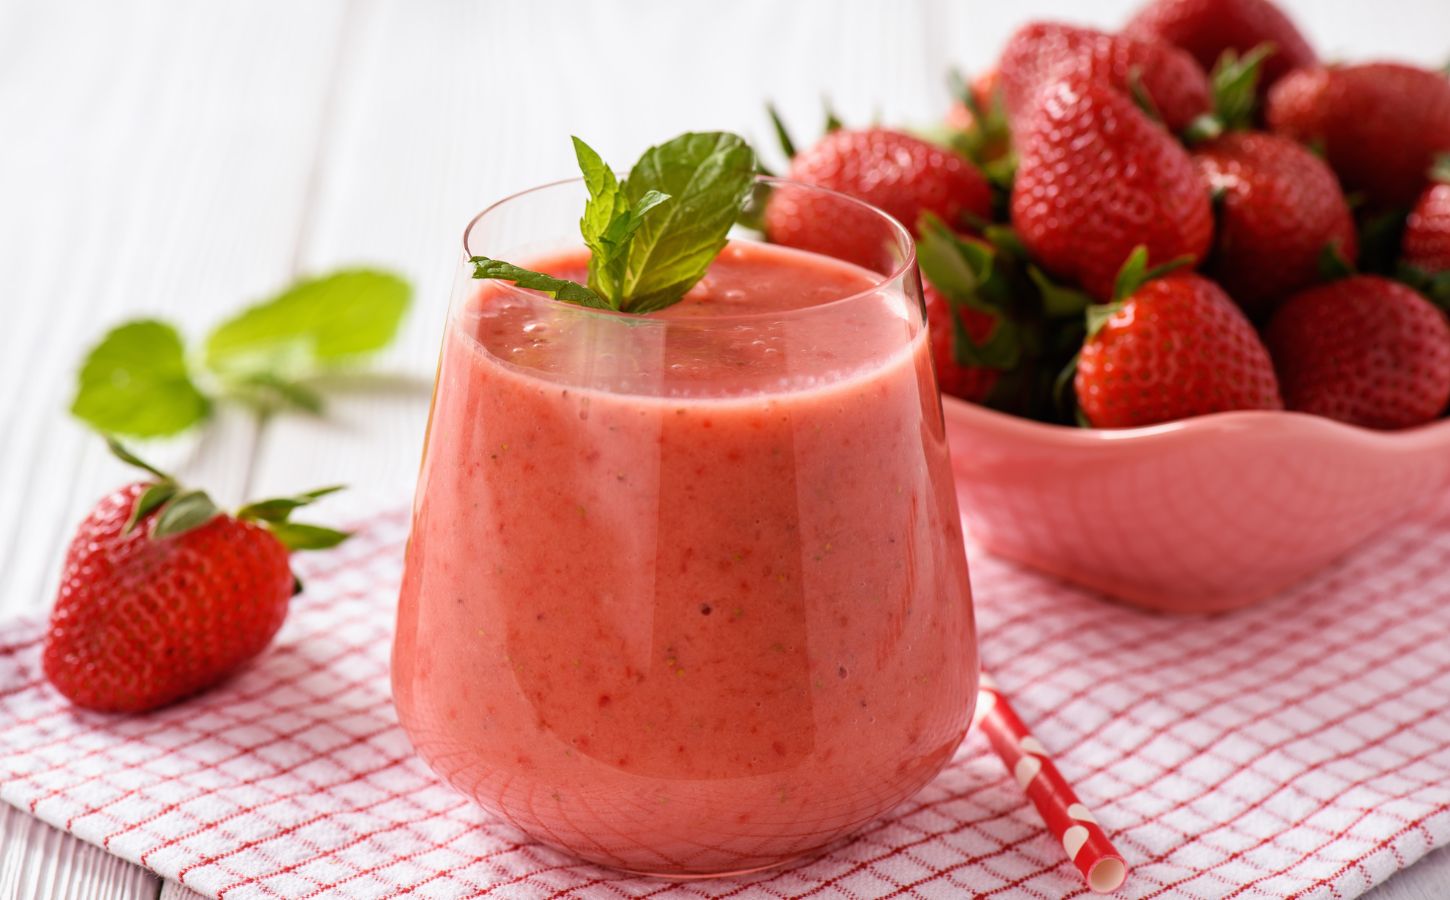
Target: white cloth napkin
[[1301, 748]]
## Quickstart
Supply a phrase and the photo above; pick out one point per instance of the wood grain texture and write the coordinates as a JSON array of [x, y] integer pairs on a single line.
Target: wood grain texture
[[171, 890], [37, 861], [157, 166], [155, 162], [177, 158]]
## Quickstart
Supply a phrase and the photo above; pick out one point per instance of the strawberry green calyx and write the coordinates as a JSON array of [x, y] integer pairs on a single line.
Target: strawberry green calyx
[[653, 235], [833, 121], [988, 142], [1058, 301], [274, 514], [1006, 240], [1204, 128], [1440, 171], [965, 274], [1098, 315], [1131, 277], [1234, 82], [1435, 286], [1333, 265], [782, 134], [1139, 92], [179, 510], [1136, 272], [1381, 235]]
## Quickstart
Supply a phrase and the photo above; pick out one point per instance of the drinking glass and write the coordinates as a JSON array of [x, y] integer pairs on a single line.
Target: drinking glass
[[686, 593]]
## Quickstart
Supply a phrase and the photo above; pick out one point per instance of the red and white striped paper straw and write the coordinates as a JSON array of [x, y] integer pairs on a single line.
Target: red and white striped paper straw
[[1073, 825]]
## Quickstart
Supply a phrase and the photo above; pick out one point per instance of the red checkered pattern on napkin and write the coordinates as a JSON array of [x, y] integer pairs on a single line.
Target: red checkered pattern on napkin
[[1301, 748]]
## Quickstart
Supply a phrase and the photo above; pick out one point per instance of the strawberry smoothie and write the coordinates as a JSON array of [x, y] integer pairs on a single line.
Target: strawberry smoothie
[[686, 593]]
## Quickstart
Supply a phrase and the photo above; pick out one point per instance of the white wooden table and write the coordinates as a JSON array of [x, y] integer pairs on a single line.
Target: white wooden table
[[177, 158]]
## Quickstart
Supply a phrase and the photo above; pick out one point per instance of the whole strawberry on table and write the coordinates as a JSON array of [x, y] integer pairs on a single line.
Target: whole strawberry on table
[[163, 595], [1191, 215]]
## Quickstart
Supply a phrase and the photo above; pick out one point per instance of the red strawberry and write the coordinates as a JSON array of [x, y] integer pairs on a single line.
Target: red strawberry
[[967, 382], [1206, 28], [903, 175], [967, 297], [1427, 232], [162, 596], [1176, 347], [1381, 124], [1280, 207], [1096, 178], [1175, 84], [984, 88], [959, 118], [1363, 350]]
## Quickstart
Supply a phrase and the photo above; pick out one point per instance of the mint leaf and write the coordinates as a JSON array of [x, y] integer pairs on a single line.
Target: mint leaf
[[313, 324], [135, 382], [558, 288], [654, 236], [609, 223], [267, 389], [708, 176]]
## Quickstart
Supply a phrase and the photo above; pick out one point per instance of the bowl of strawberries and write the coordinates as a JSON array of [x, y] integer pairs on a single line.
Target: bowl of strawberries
[[1187, 291]]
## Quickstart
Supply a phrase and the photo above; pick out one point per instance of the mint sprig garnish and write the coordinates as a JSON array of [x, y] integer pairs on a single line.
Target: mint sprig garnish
[[140, 381], [609, 224], [558, 288], [652, 236]]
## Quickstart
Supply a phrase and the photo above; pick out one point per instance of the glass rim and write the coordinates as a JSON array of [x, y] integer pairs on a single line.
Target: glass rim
[[899, 231]]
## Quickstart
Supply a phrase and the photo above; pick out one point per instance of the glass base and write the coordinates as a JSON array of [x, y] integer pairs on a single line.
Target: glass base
[[705, 876], [804, 857]]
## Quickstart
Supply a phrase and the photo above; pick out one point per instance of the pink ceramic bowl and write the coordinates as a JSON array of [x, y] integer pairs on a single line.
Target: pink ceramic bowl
[[1206, 514]]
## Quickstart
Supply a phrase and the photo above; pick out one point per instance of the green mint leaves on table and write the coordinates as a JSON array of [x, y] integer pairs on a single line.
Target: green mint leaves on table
[[136, 382], [652, 236], [141, 382]]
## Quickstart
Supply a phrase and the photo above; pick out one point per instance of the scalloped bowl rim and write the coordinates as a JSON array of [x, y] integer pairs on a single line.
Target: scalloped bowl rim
[[1305, 424]]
